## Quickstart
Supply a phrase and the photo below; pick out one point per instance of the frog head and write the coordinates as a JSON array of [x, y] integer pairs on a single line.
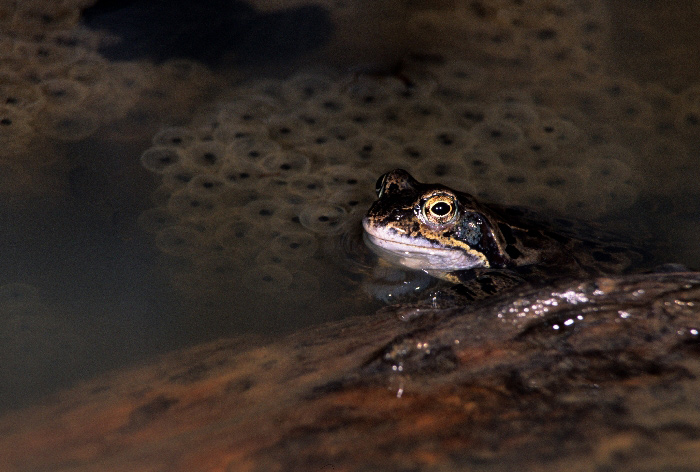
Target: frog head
[[432, 227]]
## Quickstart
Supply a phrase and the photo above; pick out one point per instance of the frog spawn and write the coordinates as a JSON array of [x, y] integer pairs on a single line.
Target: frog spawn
[[56, 90], [264, 219], [544, 126], [296, 166], [242, 194]]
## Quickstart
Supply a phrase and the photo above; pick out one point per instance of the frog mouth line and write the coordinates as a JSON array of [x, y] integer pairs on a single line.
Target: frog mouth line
[[400, 246], [421, 254], [417, 257], [397, 241]]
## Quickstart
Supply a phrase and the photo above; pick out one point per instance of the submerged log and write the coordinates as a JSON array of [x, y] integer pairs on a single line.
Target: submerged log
[[585, 375]]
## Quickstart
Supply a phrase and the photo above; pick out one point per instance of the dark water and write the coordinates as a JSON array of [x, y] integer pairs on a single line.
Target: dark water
[[84, 288]]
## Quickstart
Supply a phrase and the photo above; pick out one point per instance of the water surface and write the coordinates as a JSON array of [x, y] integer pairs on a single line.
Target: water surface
[[588, 110]]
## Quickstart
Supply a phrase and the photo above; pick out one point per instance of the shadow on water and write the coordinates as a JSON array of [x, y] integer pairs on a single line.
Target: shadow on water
[[208, 32]]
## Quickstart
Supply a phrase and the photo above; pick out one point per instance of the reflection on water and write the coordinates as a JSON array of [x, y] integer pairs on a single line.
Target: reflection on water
[[150, 204]]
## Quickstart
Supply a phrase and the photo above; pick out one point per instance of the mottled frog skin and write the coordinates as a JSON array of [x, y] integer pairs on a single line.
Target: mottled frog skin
[[451, 235]]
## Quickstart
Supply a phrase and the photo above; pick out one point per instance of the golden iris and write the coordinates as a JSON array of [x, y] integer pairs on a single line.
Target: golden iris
[[440, 209]]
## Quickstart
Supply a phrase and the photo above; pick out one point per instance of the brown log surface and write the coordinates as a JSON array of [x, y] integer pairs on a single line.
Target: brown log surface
[[586, 375]]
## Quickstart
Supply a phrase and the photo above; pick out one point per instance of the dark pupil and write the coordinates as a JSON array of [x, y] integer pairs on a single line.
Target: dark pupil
[[441, 209], [379, 185]]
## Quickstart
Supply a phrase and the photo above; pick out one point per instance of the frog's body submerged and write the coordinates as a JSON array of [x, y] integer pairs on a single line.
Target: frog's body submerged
[[451, 235]]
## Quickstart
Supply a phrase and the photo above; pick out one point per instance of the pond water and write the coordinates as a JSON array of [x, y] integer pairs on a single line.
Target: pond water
[[165, 183]]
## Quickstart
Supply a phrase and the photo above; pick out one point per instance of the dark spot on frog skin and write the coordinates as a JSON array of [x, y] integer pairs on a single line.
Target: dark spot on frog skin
[[507, 233], [557, 237], [535, 233], [514, 211], [513, 252], [487, 285], [465, 292]]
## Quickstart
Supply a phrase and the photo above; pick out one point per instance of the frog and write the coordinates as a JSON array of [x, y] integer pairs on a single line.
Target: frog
[[484, 247]]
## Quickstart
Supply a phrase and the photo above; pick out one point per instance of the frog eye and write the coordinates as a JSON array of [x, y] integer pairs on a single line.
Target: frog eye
[[440, 209], [379, 186]]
